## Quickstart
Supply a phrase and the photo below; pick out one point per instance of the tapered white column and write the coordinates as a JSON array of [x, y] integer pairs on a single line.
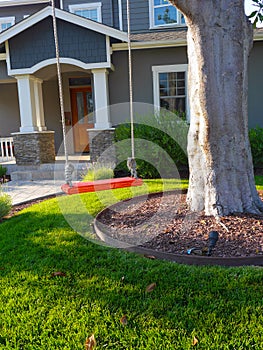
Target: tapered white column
[[30, 103], [101, 95], [40, 119]]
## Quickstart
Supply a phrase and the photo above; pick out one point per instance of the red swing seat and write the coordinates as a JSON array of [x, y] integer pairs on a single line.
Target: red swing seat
[[101, 185]]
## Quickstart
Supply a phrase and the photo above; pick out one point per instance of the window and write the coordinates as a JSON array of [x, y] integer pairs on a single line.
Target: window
[[91, 11], [6, 22], [162, 13], [170, 88]]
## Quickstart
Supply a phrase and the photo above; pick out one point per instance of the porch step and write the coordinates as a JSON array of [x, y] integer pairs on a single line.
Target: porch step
[[44, 171]]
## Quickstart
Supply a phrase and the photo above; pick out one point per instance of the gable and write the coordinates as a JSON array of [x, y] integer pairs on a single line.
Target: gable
[[36, 44]]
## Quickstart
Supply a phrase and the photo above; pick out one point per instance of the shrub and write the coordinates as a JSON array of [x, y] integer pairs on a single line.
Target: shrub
[[98, 172], [5, 204], [3, 171], [256, 143], [157, 153]]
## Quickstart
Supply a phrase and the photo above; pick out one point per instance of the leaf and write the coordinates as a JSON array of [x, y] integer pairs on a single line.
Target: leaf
[[124, 320], [253, 14], [90, 343], [150, 288], [152, 257], [58, 273], [195, 341]]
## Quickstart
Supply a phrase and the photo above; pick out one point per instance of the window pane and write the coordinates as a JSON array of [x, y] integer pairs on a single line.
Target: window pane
[[80, 106], [181, 75], [90, 14], [165, 15], [173, 104], [90, 107], [172, 91], [5, 25]]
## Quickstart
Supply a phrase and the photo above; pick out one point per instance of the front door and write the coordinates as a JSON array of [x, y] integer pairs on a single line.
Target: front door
[[82, 116]]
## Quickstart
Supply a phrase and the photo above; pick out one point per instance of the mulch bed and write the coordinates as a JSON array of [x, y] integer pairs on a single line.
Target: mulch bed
[[162, 222]]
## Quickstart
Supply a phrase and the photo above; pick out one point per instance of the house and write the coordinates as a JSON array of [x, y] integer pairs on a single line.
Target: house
[[94, 64]]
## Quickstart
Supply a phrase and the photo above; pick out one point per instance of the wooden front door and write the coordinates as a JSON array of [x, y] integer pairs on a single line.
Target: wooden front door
[[82, 116]]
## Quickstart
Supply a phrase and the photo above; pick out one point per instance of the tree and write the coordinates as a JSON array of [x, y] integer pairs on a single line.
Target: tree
[[219, 40]]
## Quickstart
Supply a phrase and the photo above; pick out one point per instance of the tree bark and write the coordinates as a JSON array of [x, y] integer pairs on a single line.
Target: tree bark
[[221, 171]]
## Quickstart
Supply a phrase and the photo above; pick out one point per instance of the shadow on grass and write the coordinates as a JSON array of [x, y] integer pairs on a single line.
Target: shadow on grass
[[102, 284]]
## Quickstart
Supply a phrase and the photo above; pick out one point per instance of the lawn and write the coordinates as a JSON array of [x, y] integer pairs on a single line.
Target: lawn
[[58, 288]]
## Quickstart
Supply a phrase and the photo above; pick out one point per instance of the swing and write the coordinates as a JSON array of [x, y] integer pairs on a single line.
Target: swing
[[98, 185]]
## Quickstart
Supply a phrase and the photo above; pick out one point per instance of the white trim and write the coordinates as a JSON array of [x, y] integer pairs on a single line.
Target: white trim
[[50, 61], [156, 87], [66, 16], [101, 96], [108, 49], [5, 3], [61, 4], [120, 14], [149, 44], [87, 6], [8, 64], [2, 56], [258, 36]]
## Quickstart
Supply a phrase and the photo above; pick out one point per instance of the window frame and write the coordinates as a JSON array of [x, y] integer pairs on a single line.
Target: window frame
[[6, 20], [175, 68], [154, 26], [87, 6]]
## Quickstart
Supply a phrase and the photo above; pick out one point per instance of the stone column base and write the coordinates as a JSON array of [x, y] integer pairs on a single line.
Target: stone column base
[[101, 143], [34, 148]]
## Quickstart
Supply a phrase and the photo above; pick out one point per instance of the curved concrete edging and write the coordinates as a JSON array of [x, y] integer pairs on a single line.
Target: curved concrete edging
[[181, 259]]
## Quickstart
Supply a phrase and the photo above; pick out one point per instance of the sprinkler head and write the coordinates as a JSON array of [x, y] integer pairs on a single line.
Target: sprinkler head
[[213, 238]]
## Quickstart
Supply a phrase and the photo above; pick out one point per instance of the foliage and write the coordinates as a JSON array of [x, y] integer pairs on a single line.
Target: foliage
[[98, 172], [256, 143], [5, 204], [3, 171], [257, 15], [160, 145], [58, 290]]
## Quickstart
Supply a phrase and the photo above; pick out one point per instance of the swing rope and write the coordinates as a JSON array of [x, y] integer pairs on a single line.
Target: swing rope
[[131, 162], [68, 167]]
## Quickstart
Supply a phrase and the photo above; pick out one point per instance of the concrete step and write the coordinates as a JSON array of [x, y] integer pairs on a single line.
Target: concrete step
[[45, 171]]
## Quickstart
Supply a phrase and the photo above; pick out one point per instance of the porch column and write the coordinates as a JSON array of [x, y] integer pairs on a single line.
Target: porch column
[[101, 137], [30, 103], [101, 95], [33, 145]]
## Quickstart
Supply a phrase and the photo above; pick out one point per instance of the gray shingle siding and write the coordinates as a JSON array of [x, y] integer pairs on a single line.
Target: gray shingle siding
[[28, 48], [139, 15]]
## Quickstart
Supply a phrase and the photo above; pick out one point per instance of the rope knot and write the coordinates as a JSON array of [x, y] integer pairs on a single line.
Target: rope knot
[[131, 164]]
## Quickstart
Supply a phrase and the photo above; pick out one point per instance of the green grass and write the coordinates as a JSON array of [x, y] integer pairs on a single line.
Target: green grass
[[222, 307], [259, 182]]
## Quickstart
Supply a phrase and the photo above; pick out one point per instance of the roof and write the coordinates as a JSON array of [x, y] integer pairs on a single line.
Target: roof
[[7, 3], [160, 36]]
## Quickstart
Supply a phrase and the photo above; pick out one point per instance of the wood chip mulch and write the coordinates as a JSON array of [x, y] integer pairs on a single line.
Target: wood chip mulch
[[162, 222]]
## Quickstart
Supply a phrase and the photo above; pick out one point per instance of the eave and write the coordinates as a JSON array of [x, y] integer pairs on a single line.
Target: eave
[[8, 3]]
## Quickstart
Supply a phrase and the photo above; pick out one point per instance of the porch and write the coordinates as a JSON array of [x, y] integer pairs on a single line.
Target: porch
[[48, 171]]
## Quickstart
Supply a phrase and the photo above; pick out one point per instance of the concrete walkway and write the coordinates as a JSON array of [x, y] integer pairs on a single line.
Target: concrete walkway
[[24, 191]]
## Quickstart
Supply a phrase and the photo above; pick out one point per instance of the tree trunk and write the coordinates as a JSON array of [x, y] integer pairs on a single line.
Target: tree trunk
[[221, 170]]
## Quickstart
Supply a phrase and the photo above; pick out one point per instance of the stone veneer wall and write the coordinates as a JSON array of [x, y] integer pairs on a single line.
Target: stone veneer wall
[[34, 148], [101, 144]]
